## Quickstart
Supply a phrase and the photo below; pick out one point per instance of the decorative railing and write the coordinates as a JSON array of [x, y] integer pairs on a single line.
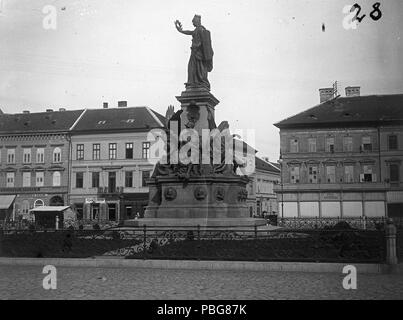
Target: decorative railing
[[197, 243], [319, 223], [90, 224], [96, 224]]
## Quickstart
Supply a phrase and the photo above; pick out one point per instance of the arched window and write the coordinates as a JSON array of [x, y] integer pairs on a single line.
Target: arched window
[[39, 203], [56, 179], [57, 155], [56, 201]]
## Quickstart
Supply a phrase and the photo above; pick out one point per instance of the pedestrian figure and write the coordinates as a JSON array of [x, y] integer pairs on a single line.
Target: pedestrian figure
[[67, 243]]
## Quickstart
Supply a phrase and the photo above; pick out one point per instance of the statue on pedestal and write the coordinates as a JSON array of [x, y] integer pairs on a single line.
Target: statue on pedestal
[[196, 182], [201, 57]]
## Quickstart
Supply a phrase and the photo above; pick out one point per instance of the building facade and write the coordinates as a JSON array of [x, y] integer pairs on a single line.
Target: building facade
[[343, 158], [262, 199], [34, 159], [110, 162]]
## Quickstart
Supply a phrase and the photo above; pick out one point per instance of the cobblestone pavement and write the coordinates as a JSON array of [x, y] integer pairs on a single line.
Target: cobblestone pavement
[[25, 282]]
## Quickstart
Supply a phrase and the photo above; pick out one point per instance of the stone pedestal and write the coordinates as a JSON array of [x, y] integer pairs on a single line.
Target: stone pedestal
[[198, 106]]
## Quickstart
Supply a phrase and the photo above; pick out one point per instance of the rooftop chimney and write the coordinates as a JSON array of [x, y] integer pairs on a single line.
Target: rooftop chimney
[[105, 106], [122, 104], [62, 109], [353, 91], [325, 94], [26, 112], [49, 110]]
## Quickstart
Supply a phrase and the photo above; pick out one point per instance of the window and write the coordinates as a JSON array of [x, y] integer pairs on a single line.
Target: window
[[96, 151], [348, 144], [10, 179], [39, 179], [95, 179], [129, 179], [25, 207], [146, 150], [394, 173], [27, 155], [112, 181], [331, 174], [294, 174], [294, 145], [112, 151], [349, 174], [367, 175], [79, 180], [10, 156], [56, 179], [313, 174], [38, 203], [57, 155], [26, 179], [129, 150], [312, 144], [330, 145], [40, 155], [80, 152], [366, 144], [392, 142], [145, 175]]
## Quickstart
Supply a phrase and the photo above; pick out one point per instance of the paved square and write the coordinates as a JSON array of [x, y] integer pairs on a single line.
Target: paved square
[[25, 282]]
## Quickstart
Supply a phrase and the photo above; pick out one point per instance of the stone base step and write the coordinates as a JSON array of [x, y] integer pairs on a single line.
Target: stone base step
[[227, 223]]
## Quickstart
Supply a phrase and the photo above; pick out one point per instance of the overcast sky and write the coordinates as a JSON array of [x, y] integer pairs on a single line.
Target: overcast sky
[[271, 57]]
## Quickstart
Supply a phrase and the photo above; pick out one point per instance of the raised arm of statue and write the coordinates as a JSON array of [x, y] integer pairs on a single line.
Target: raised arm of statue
[[178, 26]]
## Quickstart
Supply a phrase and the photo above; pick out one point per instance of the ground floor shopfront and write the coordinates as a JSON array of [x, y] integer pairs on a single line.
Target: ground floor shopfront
[[110, 207], [26, 199], [339, 204]]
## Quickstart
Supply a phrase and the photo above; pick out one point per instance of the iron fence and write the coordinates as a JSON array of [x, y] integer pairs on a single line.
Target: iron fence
[[197, 243], [86, 224], [364, 223], [63, 243]]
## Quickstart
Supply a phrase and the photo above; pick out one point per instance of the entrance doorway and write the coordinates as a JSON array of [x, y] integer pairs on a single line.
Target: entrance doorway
[[129, 212], [112, 211], [95, 211]]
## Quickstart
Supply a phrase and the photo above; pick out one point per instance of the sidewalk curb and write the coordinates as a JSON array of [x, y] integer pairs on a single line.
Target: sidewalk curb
[[202, 265]]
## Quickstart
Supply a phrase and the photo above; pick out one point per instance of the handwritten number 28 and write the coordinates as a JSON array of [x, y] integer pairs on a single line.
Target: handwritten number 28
[[376, 14]]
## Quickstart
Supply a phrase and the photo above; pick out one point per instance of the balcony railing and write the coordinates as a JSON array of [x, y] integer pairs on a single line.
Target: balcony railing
[[109, 190], [331, 186]]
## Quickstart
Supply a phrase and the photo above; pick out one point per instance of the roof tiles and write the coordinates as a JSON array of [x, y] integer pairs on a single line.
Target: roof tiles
[[349, 110]]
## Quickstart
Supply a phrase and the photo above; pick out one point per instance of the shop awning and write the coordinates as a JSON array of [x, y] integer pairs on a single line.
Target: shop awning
[[6, 201], [50, 209]]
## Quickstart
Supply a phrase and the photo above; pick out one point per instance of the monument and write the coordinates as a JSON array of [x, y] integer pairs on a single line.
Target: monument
[[198, 186]]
